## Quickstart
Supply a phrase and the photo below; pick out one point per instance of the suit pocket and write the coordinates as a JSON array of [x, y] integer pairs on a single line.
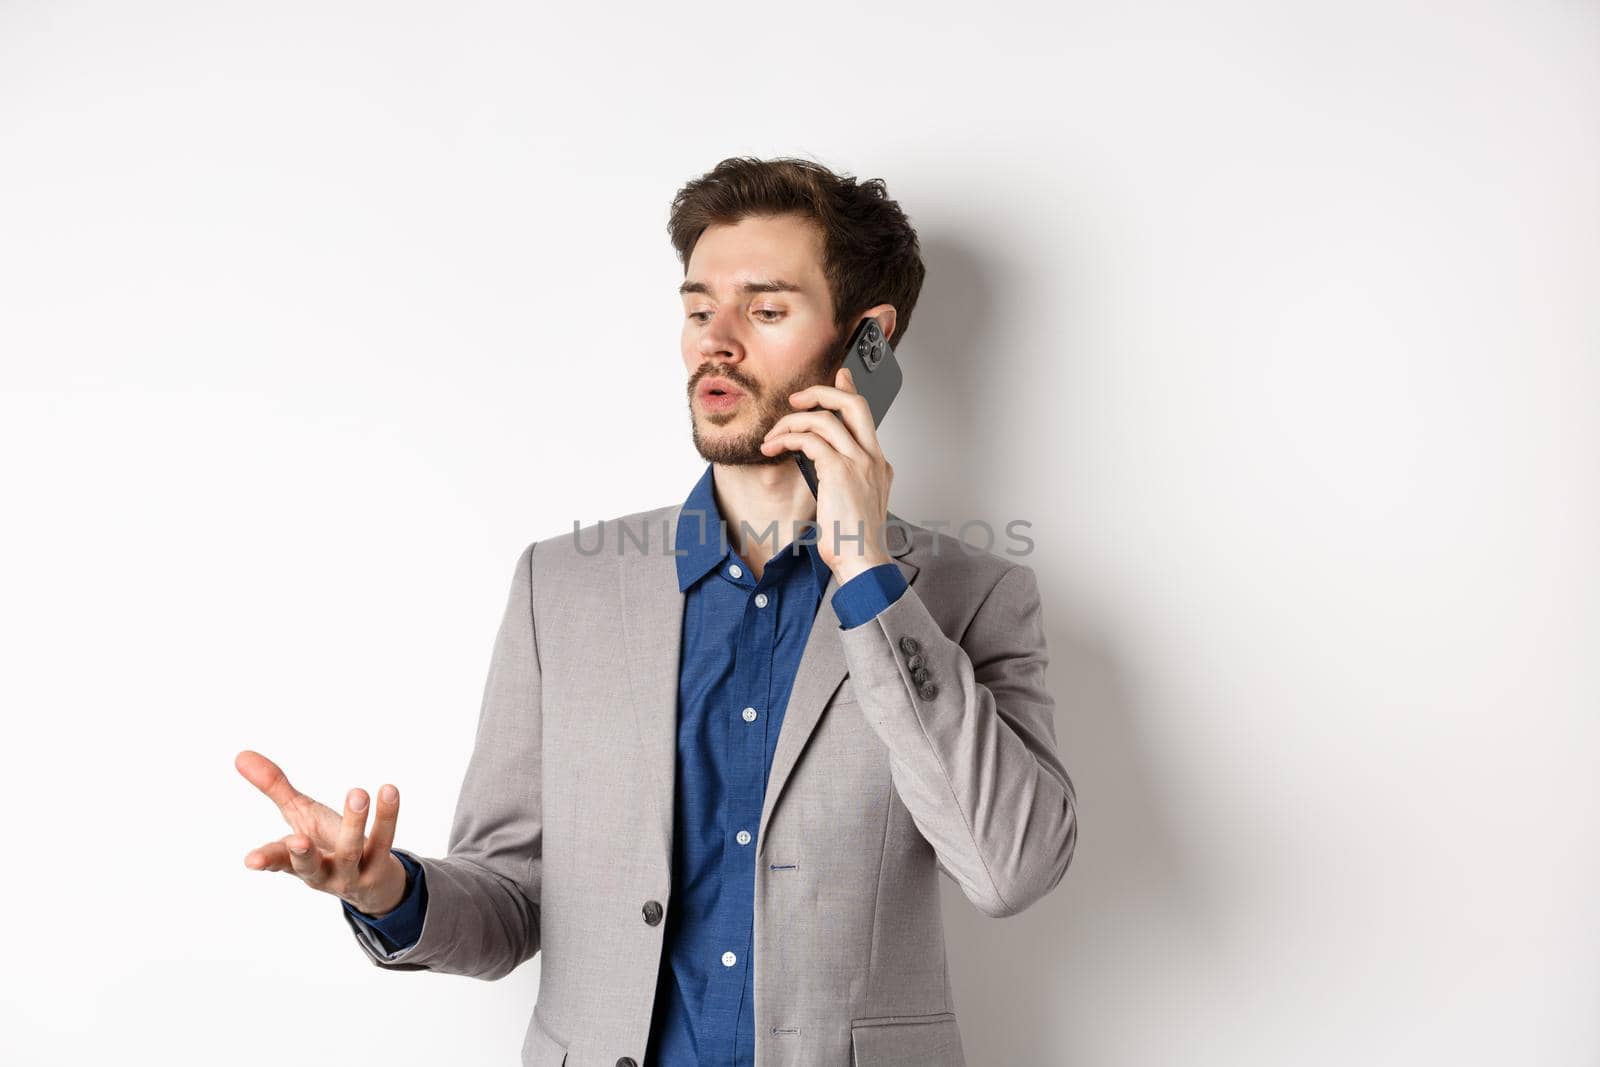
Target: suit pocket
[[907, 1041], [539, 1049]]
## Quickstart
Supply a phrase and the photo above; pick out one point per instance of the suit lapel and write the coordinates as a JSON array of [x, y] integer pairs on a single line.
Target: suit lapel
[[822, 668], [652, 627]]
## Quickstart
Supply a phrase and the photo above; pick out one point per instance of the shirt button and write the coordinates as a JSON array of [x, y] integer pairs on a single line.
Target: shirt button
[[761, 600], [749, 714], [735, 571], [729, 959], [743, 837]]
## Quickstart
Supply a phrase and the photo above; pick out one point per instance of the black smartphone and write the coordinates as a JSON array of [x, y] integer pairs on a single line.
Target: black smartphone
[[876, 374]]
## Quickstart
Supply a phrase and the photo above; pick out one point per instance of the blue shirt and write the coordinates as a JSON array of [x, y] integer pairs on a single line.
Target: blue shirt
[[741, 643]]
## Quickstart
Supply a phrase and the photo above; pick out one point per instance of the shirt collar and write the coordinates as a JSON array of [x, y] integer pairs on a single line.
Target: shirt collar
[[700, 538]]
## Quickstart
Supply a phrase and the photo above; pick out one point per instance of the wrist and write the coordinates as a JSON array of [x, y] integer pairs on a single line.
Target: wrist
[[857, 566], [390, 893]]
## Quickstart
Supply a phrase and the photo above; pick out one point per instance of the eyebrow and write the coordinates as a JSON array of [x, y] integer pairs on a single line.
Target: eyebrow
[[776, 285]]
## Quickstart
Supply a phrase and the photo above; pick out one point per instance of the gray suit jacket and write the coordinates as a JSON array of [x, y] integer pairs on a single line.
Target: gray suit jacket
[[562, 835]]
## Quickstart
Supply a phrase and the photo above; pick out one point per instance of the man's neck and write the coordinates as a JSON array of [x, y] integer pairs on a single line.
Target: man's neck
[[761, 506]]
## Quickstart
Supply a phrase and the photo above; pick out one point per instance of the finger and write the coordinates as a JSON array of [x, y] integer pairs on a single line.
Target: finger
[[381, 839], [273, 856], [823, 456], [306, 859], [267, 777], [279, 856], [352, 833], [858, 414], [843, 398], [826, 425]]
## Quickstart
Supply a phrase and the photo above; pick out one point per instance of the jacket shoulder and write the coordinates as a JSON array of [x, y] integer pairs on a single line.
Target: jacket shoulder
[[602, 543], [966, 562]]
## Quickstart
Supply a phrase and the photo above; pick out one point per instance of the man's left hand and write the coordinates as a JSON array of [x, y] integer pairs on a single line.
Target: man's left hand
[[852, 475]]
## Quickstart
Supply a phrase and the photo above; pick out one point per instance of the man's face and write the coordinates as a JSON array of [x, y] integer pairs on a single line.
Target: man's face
[[758, 325]]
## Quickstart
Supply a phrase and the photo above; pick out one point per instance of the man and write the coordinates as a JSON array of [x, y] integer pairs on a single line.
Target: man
[[714, 782]]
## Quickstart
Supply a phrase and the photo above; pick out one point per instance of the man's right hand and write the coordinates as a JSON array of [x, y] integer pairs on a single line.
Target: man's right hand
[[327, 851]]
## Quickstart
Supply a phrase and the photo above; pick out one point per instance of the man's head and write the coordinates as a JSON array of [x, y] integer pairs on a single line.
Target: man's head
[[782, 258]]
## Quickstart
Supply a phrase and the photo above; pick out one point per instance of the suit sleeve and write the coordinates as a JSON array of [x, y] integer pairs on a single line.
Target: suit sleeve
[[970, 729], [482, 915]]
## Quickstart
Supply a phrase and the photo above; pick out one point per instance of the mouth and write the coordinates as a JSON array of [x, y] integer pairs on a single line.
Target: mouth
[[718, 394]]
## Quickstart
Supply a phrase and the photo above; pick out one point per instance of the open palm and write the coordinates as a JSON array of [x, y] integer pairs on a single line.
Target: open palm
[[329, 851]]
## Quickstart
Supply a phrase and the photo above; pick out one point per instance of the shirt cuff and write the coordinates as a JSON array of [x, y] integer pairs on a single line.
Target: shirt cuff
[[402, 927], [861, 598]]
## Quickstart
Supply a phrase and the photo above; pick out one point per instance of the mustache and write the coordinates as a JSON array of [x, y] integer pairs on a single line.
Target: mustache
[[738, 380]]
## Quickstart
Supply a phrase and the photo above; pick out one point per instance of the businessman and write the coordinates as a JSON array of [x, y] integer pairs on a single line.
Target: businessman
[[727, 744]]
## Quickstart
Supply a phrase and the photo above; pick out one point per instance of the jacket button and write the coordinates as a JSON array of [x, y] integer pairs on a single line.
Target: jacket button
[[928, 690], [652, 912], [920, 675], [626, 1061], [914, 661], [909, 646]]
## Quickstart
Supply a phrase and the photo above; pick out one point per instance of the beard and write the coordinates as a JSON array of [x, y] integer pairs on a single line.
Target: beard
[[760, 410]]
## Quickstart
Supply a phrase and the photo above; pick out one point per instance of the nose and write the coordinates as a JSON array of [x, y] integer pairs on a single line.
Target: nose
[[718, 341]]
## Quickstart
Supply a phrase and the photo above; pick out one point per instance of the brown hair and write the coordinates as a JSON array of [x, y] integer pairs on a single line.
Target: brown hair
[[870, 254]]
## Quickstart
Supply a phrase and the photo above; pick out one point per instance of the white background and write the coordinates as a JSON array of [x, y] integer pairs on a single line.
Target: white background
[[1277, 321]]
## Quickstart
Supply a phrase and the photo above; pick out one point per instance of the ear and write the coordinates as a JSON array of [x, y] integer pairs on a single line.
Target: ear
[[884, 313]]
